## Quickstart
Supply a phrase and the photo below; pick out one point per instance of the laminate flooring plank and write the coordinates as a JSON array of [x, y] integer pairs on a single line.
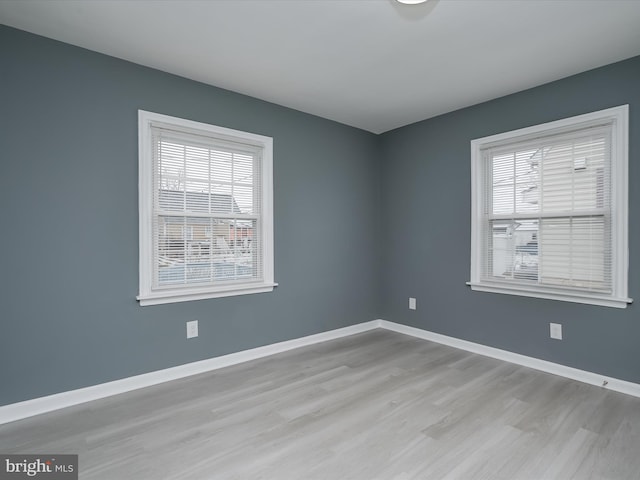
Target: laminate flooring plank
[[373, 406]]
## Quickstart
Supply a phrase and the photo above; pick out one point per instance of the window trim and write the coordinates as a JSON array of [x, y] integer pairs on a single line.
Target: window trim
[[149, 296], [619, 116]]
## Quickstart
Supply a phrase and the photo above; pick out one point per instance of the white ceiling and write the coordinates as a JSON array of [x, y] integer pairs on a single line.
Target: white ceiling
[[372, 64]]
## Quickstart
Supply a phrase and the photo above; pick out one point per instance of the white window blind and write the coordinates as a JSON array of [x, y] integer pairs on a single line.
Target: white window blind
[[207, 215], [550, 211]]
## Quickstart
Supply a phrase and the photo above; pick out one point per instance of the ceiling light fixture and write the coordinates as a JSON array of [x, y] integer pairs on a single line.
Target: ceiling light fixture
[[411, 2]]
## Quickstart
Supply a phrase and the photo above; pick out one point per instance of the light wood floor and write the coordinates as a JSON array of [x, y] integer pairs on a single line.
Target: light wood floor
[[378, 405]]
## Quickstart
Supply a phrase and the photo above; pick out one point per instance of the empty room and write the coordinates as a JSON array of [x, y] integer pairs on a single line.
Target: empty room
[[320, 239]]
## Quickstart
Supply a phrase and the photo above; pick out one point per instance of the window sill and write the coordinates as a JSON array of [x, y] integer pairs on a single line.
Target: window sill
[[567, 296], [185, 295]]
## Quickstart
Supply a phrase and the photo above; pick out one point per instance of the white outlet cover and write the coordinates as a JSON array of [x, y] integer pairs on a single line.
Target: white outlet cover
[[555, 330], [412, 303], [192, 329]]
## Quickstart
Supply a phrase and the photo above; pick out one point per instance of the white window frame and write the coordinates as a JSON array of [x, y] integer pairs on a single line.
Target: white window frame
[[619, 116], [147, 294]]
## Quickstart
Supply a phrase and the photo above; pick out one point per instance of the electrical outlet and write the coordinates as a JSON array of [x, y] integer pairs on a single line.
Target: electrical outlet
[[412, 303], [192, 329], [555, 330]]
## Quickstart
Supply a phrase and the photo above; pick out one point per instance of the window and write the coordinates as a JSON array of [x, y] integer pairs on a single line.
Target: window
[[205, 201], [549, 210]]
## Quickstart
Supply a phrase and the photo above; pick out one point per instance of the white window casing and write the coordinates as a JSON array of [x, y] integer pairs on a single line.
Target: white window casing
[[549, 210], [205, 211]]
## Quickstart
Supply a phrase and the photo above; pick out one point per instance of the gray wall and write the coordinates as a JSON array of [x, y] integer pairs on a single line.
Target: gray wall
[[426, 207], [362, 222], [69, 241]]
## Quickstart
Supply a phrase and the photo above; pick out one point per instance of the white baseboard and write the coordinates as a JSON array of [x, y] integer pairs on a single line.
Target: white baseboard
[[591, 378], [29, 408], [36, 406]]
